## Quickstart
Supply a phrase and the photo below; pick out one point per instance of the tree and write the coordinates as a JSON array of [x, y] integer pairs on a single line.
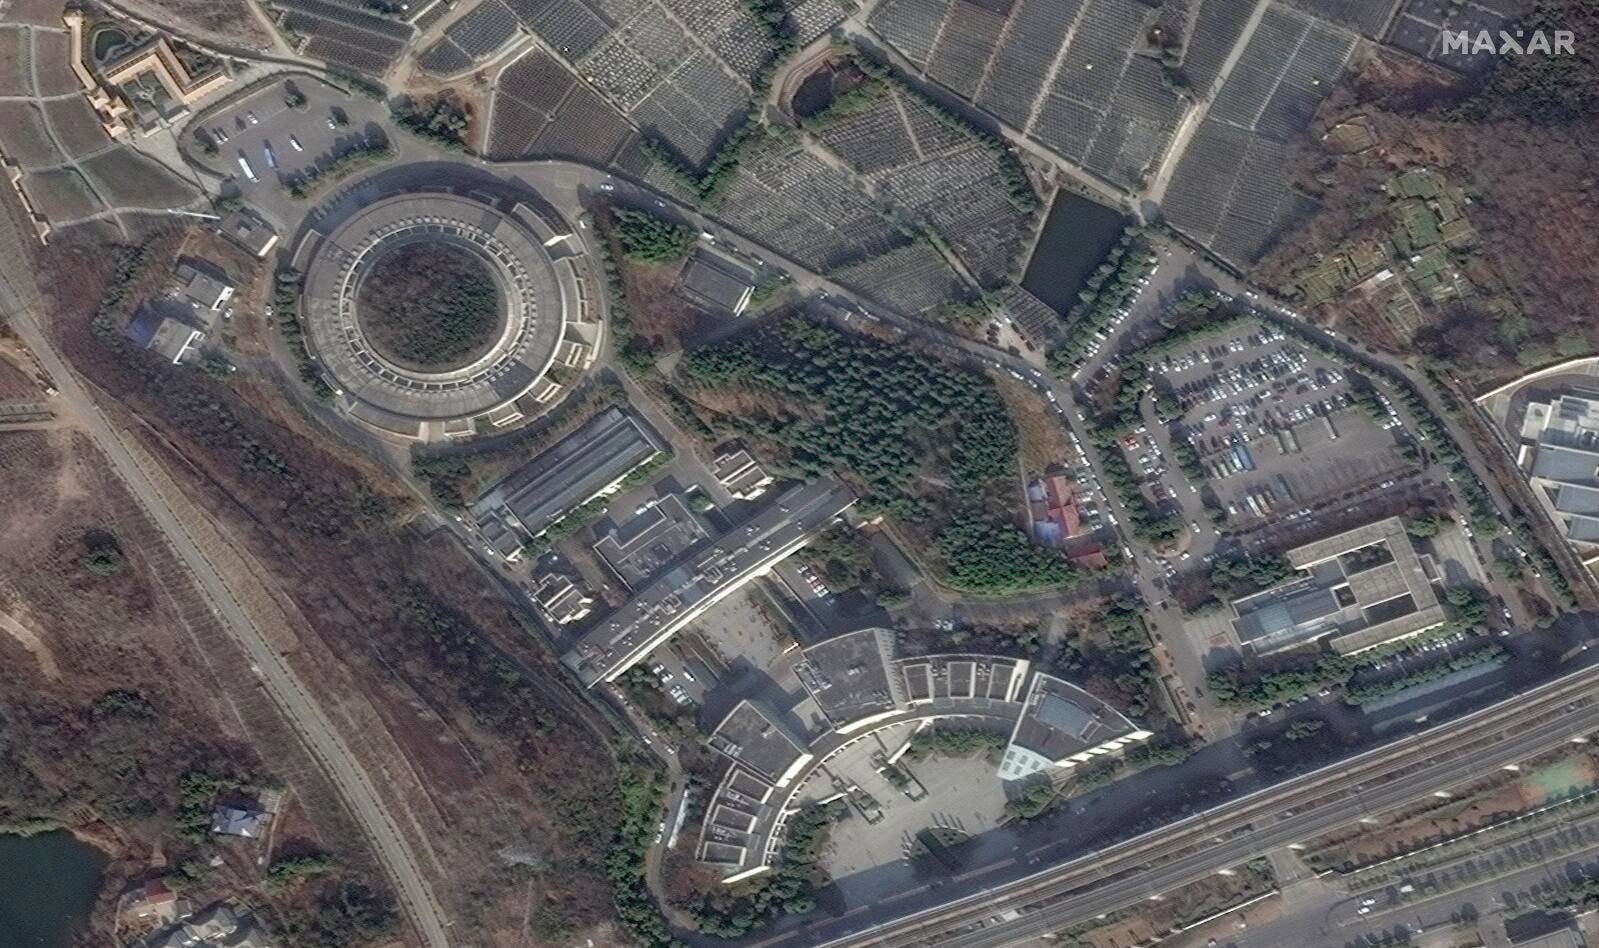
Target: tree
[[102, 555]]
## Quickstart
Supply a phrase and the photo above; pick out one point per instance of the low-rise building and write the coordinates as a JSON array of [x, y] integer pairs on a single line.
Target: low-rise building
[[1356, 590], [562, 598], [216, 926], [230, 820], [741, 474], [175, 339], [1052, 502], [639, 547], [1560, 455], [143, 86], [203, 286], [588, 463], [716, 282], [859, 688], [249, 231], [1062, 726]]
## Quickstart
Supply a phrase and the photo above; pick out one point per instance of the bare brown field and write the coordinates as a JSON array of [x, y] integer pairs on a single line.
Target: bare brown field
[[1043, 442], [61, 195], [115, 700], [23, 137], [503, 778], [76, 128], [128, 179], [17, 385], [12, 80], [228, 22], [33, 12], [52, 64]]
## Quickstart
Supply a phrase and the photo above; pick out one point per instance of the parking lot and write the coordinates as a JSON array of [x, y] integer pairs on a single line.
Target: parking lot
[[1275, 427], [261, 135]]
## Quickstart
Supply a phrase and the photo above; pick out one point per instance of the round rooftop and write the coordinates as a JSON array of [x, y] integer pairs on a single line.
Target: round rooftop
[[474, 331]]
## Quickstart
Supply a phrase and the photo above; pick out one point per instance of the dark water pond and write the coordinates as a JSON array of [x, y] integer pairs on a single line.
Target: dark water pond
[[47, 888], [1075, 239]]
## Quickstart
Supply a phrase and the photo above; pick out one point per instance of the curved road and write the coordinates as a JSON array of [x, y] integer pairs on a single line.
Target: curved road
[[288, 692]]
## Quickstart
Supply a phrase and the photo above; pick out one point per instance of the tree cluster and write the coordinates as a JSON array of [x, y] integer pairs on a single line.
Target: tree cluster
[[442, 117], [954, 742], [1103, 296], [650, 239], [790, 890]]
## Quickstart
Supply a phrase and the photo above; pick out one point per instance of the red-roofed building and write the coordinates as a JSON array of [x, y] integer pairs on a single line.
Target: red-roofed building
[[1092, 557], [1054, 508]]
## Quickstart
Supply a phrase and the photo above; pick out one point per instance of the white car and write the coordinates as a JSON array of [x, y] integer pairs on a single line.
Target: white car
[[295, 144], [250, 117]]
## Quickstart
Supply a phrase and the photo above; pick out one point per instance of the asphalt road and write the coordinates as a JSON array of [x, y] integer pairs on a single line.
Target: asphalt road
[[288, 692]]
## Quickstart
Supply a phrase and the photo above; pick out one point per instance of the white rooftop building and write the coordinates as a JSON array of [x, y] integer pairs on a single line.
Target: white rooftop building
[[1560, 454]]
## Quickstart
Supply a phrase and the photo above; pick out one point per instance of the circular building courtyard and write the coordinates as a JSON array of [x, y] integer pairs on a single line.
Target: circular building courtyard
[[437, 314]]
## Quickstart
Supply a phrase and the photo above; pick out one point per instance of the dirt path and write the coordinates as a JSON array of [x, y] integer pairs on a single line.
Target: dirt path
[[31, 641]]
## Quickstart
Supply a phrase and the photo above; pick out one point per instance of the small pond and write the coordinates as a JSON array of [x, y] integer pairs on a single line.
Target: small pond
[[48, 884], [1075, 239]]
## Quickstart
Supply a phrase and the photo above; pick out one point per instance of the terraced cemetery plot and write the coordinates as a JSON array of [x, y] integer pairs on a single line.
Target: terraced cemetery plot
[[13, 63], [537, 79], [1107, 104], [742, 43], [791, 200], [51, 60], [912, 279], [585, 128], [622, 73], [873, 139], [129, 179], [1218, 25], [515, 125], [1366, 17], [1108, 107], [571, 29], [1290, 65], [910, 25], [812, 18], [484, 31], [528, 91], [346, 35], [964, 47], [60, 195], [1022, 62], [76, 126], [444, 59], [23, 137], [1231, 189]]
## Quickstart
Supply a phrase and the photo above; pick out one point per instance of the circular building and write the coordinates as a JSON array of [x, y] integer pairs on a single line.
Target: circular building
[[441, 315]]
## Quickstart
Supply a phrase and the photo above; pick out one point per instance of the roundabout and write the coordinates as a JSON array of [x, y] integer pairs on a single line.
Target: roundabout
[[437, 314]]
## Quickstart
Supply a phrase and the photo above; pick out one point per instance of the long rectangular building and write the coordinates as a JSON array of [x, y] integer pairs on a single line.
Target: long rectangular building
[[589, 462], [668, 604]]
